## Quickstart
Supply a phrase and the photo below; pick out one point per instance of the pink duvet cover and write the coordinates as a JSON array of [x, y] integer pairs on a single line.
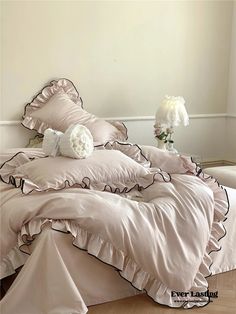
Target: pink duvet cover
[[159, 238]]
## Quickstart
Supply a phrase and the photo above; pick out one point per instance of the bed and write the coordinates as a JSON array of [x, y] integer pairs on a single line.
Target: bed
[[153, 222]]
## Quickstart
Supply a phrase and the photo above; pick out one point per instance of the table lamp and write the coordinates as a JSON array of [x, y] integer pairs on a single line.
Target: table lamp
[[170, 113]]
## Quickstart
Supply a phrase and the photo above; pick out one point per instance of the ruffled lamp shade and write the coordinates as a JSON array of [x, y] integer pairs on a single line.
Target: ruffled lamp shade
[[172, 112]]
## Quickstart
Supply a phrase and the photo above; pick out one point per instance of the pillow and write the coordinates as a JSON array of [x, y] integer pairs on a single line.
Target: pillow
[[59, 105], [77, 142], [131, 150], [167, 161], [31, 152], [104, 170]]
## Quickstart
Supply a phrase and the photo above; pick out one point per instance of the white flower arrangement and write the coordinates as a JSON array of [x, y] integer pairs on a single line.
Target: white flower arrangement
[[163, 134]]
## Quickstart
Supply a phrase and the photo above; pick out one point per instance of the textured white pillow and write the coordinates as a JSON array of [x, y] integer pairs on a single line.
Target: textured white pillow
[[51, 142], [77, 142]]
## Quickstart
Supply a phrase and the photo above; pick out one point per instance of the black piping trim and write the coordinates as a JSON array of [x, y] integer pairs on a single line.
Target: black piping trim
[[141, 153], [12, 179], [206, 178], [185, 303], [50, 84], [83, 184], [20, 152], [114, 267], [124, 144], [126, 131]]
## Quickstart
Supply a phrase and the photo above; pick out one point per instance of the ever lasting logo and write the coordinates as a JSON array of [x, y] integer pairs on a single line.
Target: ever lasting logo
[[194, 296]]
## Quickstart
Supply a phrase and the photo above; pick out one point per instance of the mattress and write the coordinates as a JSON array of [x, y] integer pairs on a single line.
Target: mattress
[[226, 175]]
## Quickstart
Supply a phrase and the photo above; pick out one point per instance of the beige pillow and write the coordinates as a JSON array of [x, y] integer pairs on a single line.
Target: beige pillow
[[59, 106], [131, 150], [104, 170], [167, 161]]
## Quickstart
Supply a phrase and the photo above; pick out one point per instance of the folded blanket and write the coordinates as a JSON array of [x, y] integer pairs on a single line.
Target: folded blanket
[[77, 142]]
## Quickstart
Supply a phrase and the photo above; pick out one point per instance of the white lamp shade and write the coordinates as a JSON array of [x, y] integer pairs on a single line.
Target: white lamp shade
[[172, 112]]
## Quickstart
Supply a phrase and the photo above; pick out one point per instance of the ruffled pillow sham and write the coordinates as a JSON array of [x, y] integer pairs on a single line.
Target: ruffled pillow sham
[[131, 150], [171, 163], [104, 170], [59, 105]]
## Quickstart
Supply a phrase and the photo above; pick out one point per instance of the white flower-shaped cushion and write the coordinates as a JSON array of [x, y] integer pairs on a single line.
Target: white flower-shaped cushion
[[77, 142]]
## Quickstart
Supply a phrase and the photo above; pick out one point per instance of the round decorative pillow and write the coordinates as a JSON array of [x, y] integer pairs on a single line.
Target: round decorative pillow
[[77, 142]]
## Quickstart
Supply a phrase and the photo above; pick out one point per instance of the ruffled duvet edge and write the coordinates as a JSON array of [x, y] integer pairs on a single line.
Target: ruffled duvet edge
[[128, 269]]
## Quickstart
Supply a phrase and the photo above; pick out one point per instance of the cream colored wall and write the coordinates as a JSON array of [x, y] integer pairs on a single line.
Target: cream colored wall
[[231, 109], [193, 140], [124, 56], [232, 73]]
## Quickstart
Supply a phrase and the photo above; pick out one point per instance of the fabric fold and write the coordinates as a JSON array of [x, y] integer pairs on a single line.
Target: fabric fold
[[11, 262]]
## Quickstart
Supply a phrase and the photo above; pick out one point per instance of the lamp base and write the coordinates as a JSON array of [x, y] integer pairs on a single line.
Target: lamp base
[[171, 149], [161, 144]]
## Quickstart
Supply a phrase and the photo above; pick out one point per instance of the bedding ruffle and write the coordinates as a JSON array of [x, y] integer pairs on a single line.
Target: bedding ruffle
[[122, 128], [131, 150], [171, 163], [127, 267], [66, 86], [10, 175], [41, 99]]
